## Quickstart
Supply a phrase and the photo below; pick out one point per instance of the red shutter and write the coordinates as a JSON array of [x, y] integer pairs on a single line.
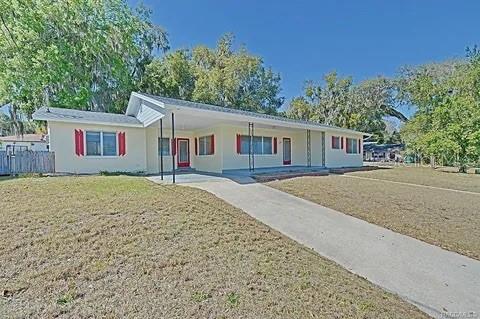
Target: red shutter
[[239, 143], [212, 144], [196, 146], [122, 150], [342, 142], [333, 141], [124, 144], [274, 145], [77, 143], [119, 137], [359, 146], [81, 138]]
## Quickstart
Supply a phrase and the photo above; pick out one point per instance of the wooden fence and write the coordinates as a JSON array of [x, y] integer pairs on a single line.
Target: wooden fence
[[27, 162]]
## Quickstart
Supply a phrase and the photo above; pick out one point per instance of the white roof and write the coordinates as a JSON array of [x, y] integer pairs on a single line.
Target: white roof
[[145, 109], [76, 116], [166, 105]]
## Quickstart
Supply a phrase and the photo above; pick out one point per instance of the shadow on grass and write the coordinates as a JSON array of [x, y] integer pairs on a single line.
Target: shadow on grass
[[6, 178], [17, 176]]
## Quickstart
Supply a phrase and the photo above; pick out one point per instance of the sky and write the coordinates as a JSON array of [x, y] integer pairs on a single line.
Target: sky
[[303, 40]]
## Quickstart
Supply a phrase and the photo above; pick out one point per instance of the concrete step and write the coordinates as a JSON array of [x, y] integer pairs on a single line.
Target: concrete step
[[266, 177]]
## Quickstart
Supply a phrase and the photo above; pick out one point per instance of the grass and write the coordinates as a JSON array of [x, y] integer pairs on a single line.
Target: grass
[[124, 247], [447, 219], [427, 176], [5, 178]]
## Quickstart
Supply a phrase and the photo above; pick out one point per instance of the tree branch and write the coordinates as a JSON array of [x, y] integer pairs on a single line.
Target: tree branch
[[9, 32]]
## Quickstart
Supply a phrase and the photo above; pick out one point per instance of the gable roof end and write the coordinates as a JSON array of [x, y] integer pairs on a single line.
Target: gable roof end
[[166, 103]]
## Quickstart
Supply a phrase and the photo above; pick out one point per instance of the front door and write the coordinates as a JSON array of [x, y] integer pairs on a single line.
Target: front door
[[183, 158], [287, 151]]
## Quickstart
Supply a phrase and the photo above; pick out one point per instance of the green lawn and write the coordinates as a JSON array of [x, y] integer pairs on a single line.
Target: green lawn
[[124, 247]]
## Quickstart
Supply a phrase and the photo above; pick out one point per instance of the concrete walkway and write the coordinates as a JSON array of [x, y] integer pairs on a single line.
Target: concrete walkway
[[439, 282]]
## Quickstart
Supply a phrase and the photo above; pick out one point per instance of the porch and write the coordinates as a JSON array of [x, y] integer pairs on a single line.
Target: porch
[[231, 148], [240, 176], [229, 142]]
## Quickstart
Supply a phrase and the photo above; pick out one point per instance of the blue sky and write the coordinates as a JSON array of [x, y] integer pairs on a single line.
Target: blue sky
[[306, 39]]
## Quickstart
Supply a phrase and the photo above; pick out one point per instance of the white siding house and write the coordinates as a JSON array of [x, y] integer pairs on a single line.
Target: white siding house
[[197, 136], [26, 142]]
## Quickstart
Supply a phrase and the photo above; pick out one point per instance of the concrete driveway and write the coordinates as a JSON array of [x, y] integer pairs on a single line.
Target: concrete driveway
[[441, 283]]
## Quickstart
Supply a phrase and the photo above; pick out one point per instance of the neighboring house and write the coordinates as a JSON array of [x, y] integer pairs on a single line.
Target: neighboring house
[[26, 142], [205, 137], [373, 152]]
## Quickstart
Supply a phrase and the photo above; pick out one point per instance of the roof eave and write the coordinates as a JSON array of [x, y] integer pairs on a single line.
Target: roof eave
[[40, 118], [267, 121], [278, 122]]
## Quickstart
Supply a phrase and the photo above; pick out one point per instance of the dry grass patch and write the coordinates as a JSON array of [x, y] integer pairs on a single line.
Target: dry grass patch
[[124, 247], [426, 176], [447, 219]]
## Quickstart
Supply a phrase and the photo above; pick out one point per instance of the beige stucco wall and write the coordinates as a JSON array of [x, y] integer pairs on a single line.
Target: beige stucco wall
[[62, 142], [339, 157], [207, 163], [210, 163], [226, 157], [232, 160], [151, 135], [142, 149], [167, 160]]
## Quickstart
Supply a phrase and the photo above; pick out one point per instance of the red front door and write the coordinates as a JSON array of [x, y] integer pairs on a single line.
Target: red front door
[[183, 156]]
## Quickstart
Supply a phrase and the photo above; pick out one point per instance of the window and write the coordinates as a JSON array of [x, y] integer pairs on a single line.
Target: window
[[267, 145], [101, 143], [164, 146], [205, 146], [336, 142], [93, 143], [261, 145], [257, 145], [352, 147], [109, 144]]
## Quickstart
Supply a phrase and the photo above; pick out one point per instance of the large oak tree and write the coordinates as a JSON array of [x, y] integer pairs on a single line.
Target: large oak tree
[[85, 54], [222, 76]]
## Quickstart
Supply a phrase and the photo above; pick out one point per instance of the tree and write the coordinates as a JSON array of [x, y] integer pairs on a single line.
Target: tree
[[171, 76], [77, 54], [447, 122], [341, 103], [424, 86], [220, 76], [14, 123]]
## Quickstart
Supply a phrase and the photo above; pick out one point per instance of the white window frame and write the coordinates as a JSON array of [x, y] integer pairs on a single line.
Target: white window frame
[[355, 149], [101, 144], [263, 145], [339, 143], [210, 153]]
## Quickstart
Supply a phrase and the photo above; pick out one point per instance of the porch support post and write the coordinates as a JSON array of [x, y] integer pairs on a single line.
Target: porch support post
[[173, 147], [323, 149], [309, 149], [161, 149], [249, 148], [251, 153]]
